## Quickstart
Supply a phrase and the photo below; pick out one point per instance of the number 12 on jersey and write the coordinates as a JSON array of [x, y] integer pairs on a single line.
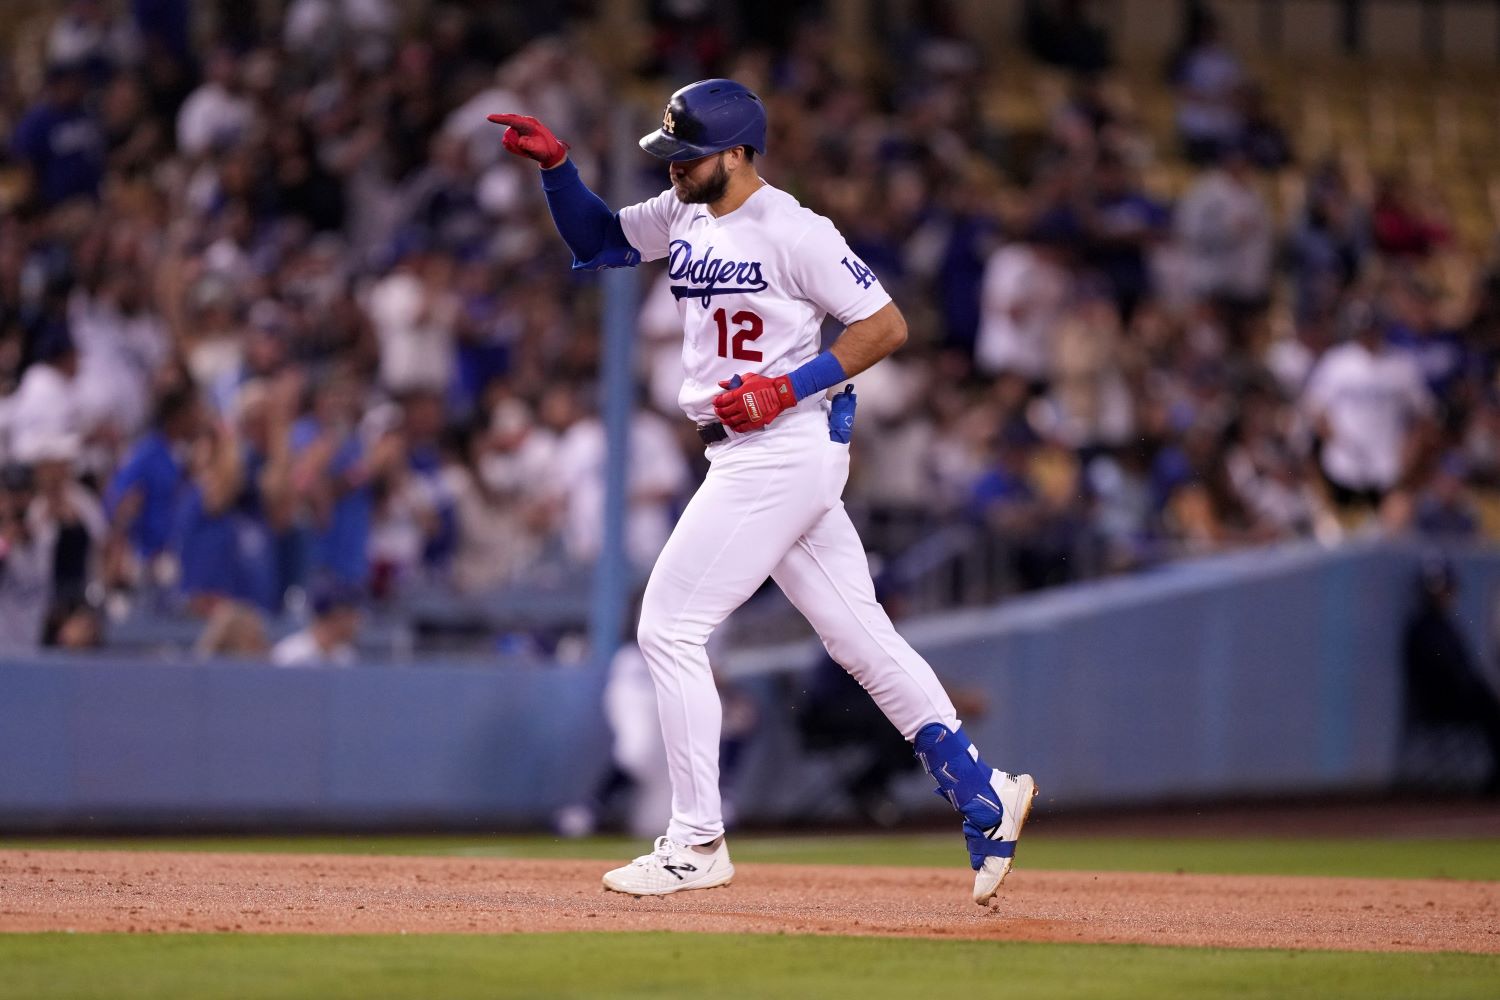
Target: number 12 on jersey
[[748, 327]]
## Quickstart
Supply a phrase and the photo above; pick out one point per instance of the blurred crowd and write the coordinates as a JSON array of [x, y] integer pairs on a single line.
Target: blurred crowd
[[284, 333]]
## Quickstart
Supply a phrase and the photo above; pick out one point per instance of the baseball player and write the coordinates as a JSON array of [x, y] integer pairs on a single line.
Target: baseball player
[[754, 273]]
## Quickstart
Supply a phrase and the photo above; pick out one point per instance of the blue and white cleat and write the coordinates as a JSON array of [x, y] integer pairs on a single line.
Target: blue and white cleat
[[993, 803], [1014, 793]]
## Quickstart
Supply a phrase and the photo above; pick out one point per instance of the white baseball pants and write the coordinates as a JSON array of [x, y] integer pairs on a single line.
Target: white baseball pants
[[770, 506]]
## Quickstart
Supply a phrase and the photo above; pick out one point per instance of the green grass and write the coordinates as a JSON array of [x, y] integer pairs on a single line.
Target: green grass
[[1370, 858], [438, 967]]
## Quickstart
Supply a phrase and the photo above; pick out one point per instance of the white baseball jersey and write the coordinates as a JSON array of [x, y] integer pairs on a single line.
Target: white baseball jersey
[[1371, 402], [752, 288]]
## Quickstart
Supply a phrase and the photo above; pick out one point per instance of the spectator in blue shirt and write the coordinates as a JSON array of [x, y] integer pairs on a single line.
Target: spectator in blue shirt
[[1123, 224], [59, 140], [960, 277], [1002, 496], [225, 544], [1440, 352], [1038, 538], [1445, 510], [1328, 244], [142, 496], [165, 25], [486, 334], [1265, 141], [334, 472]]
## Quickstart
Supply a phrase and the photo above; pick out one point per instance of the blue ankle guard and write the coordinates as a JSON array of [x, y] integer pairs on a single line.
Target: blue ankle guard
[[964, 781]]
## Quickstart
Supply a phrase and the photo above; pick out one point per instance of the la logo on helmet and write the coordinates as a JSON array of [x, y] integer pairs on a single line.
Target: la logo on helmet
[[667, 124]]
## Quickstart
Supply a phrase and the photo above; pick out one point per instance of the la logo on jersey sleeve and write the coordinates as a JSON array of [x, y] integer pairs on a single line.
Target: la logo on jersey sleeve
[[862, 275]]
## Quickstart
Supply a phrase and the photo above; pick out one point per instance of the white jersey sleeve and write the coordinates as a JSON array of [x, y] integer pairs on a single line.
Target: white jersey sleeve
[[648, 223], [828, 274]]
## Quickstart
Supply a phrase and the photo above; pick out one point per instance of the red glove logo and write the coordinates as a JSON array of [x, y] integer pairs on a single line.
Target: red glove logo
[[530, 138], [755, 402]]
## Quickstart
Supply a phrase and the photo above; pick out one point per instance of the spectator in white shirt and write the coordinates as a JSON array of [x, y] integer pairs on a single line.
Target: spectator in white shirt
[[1024, 295], [494, 542], [64, 511], [522, 449], [1225, 229], [1208, 78], [414, 311], [316, 28], [91, 34], [1370, 408], [45, 404], [660, 329], [328, 640], [122, 341], [658, 475], [217, 113]]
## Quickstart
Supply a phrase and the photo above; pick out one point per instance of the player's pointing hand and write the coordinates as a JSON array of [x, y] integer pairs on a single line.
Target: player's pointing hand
[[755, 402], [530, 138]]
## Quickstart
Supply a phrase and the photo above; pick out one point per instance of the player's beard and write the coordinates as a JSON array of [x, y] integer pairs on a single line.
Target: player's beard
[[707, 192]]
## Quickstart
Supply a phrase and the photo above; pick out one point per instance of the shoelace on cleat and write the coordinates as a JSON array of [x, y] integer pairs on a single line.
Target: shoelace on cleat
[[660, 852]]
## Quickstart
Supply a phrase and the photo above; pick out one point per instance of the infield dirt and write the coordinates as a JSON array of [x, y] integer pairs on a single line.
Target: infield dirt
[[171, 892]]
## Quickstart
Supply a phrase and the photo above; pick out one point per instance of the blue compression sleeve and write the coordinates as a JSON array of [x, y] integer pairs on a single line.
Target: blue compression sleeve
[[817, 375], [586, 224]]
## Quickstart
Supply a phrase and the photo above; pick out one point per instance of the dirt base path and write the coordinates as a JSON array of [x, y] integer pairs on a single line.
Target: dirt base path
[[166, 892]]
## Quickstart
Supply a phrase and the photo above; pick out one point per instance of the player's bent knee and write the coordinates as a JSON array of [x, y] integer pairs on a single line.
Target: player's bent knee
[[663, 641]]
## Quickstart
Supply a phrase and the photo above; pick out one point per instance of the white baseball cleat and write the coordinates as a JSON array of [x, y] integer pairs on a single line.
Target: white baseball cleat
[[1015, 793], [672, 867]]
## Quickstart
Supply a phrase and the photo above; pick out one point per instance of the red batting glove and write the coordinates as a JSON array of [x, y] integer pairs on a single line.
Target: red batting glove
[[530, 138], [755, 402]]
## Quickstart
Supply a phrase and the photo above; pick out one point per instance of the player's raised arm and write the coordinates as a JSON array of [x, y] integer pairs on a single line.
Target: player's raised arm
[[584, 221]]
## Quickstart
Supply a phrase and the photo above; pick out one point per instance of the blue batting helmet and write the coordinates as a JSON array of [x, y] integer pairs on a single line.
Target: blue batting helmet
[[708, 117]]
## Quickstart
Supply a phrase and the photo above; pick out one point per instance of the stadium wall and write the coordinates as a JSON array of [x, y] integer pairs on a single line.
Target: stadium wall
[[102, 745], [1236, 676], [1269, 671]]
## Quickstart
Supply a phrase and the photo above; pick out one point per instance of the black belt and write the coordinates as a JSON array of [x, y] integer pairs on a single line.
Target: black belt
[[712, 433]]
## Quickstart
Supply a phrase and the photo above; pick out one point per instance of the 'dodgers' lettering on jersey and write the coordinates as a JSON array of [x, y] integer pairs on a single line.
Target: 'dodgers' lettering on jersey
[[708, 275]]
